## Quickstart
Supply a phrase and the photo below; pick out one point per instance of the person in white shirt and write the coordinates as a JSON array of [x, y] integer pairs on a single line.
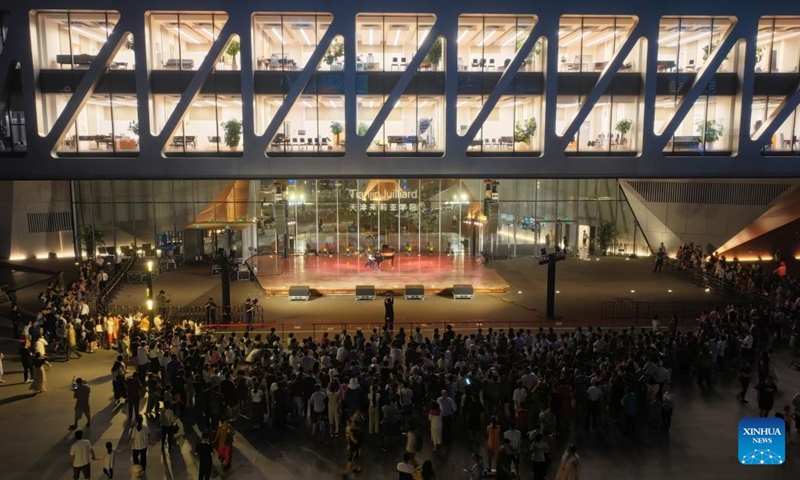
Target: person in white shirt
[[81, 455], [514, 437], [593, 396], [140, 439], [142, 359], [519, 396], [41, 346]]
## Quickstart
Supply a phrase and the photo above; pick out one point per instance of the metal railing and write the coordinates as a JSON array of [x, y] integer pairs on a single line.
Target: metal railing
[[195, 313], [664, 310]]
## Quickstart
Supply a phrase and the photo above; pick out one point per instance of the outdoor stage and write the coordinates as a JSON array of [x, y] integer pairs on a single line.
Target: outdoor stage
[[339, 274]]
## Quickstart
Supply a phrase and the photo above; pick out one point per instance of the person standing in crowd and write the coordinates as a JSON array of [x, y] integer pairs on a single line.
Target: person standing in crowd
[[540, 453], [629, 410], [405, 469], [667, 406], [140, 439], [492, 441], [161, 304], [435, 417], [374, 410], [745, 373], [317, 404], [514, 445], [388, 307], [504, 459], [570, 466], [81, 394], [108, 460], [766, 396], [448, 408], [16, 319], [224, 442], [211, 311], [27, 362], [334, 408], [476, 470], [425, 472], [205, 454], [39, 384], [134, 396], [169, 426], [250, 312], [354, 435], [118, 379], [81, 455]]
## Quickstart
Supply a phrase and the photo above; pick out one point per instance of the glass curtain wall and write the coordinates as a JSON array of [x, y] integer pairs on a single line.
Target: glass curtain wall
[[486, 46], [348, 217], [181, 41], [778, 45], [385, 44], [71, 40]]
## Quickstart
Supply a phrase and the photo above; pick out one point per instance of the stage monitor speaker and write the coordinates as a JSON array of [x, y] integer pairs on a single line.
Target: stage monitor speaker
[[415, 292], [463, 291], [365, 292], [299, 292]]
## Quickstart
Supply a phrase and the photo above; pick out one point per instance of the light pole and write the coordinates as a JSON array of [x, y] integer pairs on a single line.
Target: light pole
[[150, 313], [149, 265]]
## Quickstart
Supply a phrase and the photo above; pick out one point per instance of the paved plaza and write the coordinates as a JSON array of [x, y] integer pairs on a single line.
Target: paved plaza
[[701, 444]]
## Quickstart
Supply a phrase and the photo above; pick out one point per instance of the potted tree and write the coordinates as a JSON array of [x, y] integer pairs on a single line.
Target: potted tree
[[233, 50], [710, 131], [334, 53], [90, 239], [233, 133], [523, 134], [536, 51], [434, 55], [336, 130], [606, 236], [362, 129], [623, 127]]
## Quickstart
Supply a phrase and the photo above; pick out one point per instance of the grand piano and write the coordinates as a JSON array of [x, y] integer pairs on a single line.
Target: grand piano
[[404, 140], [665, 65], [388, 253]]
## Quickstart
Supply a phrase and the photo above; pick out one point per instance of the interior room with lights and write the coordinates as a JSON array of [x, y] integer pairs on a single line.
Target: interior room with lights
[[180, 41], [287, 41], [588, 44]]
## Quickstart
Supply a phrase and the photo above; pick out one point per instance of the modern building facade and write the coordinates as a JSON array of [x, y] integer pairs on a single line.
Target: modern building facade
[[569, 110]]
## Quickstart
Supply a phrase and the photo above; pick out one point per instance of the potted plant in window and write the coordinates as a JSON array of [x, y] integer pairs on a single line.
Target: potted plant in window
[[233, 50], [710, 131], [623, 127], [336, 130], [334, 53], [536, 51], [523, 134], [233, 133], [759, 55], [362, 129], [606, 236], [434, 55]]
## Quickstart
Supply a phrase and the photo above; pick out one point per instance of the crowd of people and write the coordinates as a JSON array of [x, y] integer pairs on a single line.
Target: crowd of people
[[734, 275], [511, 394]]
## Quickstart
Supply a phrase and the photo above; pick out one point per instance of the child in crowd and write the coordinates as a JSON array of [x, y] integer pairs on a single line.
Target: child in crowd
[[108, 460]]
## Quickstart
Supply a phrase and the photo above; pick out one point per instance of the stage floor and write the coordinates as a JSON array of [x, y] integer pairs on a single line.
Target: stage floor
[[339, 274]]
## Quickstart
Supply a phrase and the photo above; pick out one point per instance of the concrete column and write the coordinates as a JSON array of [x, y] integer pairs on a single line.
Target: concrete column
[[6, 217]]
